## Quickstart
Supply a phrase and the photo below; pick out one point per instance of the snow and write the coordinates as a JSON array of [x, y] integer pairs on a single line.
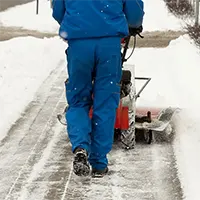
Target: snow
[[26, 62], [175, 68], [156, 17], [17, 16], [187, 148]]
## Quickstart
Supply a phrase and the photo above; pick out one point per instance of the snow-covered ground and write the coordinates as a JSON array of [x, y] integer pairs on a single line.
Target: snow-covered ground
[[24, 16], [26, 62]]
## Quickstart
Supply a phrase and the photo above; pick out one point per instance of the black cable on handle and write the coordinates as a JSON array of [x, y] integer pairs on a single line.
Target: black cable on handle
[[127, 40]]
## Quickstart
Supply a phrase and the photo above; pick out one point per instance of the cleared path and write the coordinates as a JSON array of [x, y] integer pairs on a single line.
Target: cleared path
[[36, 160]]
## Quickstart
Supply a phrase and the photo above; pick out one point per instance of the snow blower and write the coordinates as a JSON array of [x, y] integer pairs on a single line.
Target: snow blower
[[131, 122]]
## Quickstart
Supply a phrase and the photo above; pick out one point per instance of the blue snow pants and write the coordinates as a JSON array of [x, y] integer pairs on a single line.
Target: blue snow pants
[[94, 68]]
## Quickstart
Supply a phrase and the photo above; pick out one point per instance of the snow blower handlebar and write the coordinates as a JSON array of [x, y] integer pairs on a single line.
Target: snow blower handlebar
[[132, 32]]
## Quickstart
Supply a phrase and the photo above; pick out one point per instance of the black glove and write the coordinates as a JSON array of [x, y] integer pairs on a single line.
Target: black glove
[[135, 31]]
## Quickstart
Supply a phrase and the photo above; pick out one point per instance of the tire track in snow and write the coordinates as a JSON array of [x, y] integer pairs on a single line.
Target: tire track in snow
[[67, 184], [36, 166], [146, 172], [21, 137]]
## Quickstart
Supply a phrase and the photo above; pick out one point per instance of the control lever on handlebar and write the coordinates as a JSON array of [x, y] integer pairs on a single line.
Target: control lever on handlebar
[[136, 31]]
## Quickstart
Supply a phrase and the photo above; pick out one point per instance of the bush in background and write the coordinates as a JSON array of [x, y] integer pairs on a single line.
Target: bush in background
[[194, 32], [184, 9]]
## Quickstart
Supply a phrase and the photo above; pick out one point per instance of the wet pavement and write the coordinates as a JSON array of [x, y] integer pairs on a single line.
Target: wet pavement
[[36, 159], [157, 39], [13, 32], [5, 4]]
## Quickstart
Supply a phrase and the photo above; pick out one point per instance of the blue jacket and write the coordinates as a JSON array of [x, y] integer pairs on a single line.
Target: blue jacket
[[97, 18]]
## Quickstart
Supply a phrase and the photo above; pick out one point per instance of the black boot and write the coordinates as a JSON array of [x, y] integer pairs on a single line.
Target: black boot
[[80, 164], [99, 173]]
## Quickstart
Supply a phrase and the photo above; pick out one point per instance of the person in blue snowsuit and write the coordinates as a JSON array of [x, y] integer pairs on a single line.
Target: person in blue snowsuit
[[93, 30]]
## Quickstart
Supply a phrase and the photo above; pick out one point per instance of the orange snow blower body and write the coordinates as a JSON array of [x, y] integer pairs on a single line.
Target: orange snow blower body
[[122, 118]]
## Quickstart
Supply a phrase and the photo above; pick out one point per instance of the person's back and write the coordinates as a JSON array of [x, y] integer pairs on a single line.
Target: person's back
[[97, 18], [93, 29]]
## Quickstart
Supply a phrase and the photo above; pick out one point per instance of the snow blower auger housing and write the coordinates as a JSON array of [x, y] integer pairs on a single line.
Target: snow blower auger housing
[[132, 122]]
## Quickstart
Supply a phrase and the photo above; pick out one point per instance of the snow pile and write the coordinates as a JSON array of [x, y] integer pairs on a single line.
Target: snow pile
[[24, 16], [187, 150], [24, 64], [174, 71], [175, 81]]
